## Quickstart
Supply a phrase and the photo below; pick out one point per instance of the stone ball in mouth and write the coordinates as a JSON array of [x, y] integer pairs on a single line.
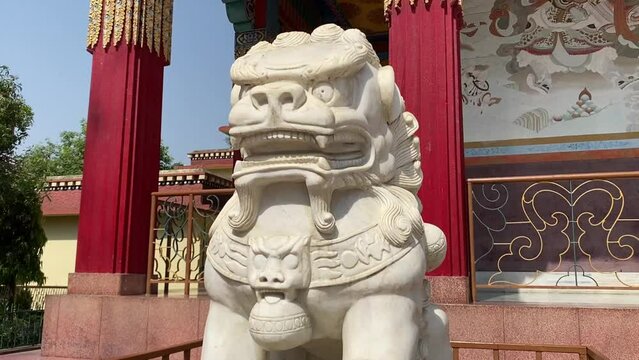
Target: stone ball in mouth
[[278, 324]]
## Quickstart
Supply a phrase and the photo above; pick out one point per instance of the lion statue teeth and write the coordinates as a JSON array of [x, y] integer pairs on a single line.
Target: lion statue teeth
[[321, 252]]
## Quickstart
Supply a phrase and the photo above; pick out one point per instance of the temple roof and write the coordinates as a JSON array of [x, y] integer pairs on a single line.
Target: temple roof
[[61, 195]]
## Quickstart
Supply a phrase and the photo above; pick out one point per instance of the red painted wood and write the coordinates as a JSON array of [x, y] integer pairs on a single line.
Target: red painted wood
[[424, 51], [121, 160], [260, 14]]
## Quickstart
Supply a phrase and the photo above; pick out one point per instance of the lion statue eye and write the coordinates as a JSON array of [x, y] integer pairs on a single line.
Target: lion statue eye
[[323, 91]]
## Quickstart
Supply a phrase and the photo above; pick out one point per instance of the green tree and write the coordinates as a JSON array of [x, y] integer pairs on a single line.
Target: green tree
[[22, 236], [166, 160], [62, 158], [66, 156]]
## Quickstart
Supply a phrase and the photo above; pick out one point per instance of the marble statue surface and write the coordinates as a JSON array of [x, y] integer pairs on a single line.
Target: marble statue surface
[[321, 252]]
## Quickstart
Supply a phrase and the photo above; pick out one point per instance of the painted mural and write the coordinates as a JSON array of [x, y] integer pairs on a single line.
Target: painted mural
[[535, 69]]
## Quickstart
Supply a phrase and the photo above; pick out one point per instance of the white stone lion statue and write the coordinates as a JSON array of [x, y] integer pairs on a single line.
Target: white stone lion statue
[[321, 252]]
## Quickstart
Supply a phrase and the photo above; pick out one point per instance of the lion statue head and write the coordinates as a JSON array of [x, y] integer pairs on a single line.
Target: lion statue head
[[320, 109]]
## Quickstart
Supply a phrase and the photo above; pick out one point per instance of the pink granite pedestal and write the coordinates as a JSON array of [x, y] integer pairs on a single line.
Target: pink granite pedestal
[[610, 331], [449, 289], [106, 284], [104, 326]]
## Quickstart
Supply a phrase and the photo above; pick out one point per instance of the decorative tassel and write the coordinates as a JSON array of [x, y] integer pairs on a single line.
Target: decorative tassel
[[157, 26], [120, 18], [95, 21], [137, 22], [108, 21], [390, 5], [167, 27], [149, 14]]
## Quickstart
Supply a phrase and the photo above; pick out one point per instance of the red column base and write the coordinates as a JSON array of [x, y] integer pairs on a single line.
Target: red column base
[[106, 284], [449, 289]]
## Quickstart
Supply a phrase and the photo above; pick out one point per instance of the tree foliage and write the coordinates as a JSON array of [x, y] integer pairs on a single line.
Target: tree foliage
[[21, 233], [62, 158], [66, 156], [166, 160]]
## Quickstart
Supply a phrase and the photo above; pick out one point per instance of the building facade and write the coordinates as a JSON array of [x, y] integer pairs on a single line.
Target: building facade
[[529, 142]]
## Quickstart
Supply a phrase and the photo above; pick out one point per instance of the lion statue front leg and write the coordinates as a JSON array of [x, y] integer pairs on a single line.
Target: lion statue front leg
[[381, 327], [226, 335]]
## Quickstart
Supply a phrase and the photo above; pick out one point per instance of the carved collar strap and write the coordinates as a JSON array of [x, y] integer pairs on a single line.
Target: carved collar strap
[[333, 262]]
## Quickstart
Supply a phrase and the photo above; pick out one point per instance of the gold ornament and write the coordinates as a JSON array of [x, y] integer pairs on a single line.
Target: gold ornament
[[136, 22], [95, 20], [157, 26], [167, 27], [148, 23], [108, 21], [120, 17], [397, 4]]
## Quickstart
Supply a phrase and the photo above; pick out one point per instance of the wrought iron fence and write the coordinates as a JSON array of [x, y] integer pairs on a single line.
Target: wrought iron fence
[[21, 321], [578, 231], [20, 328], [179, 237], [39, 294]]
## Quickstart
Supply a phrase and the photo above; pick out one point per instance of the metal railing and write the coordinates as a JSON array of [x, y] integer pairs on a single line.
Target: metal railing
[[178, 237], [21, 322], [583, 352], [165, 353], [39, 294], [20, 328], [555, 232]]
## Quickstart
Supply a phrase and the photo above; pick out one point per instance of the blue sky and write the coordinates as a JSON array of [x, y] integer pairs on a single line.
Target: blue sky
[[43, 42]]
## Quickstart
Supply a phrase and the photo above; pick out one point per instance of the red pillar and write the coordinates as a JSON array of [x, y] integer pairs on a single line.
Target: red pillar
[[121, 164], [424, 51]]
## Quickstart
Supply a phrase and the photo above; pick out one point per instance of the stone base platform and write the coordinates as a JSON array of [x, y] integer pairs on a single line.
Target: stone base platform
[[611, 331], [100, 327], [105, 326]]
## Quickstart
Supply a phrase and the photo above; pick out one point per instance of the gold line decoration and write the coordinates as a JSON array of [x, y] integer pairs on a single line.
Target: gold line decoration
[[549, 233], [136, 22]]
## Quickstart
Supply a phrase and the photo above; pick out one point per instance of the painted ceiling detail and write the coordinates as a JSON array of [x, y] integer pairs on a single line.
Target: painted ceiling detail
[[366, 15]]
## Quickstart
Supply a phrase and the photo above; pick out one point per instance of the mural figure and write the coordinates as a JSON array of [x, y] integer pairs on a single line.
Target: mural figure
[[559, 36], [322, 248], [475, 87]]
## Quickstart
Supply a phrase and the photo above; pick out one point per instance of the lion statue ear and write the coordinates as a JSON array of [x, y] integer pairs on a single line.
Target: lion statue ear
[[392, 100]]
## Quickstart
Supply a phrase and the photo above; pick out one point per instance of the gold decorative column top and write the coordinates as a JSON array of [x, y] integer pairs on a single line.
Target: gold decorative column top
[[140, 22], [397, 4]]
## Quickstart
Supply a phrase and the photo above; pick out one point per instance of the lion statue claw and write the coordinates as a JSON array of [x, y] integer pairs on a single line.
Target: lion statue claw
[[321, 252]]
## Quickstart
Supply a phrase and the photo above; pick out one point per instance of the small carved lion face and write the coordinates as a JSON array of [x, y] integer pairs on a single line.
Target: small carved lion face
[[313, 102], [279, 266]]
